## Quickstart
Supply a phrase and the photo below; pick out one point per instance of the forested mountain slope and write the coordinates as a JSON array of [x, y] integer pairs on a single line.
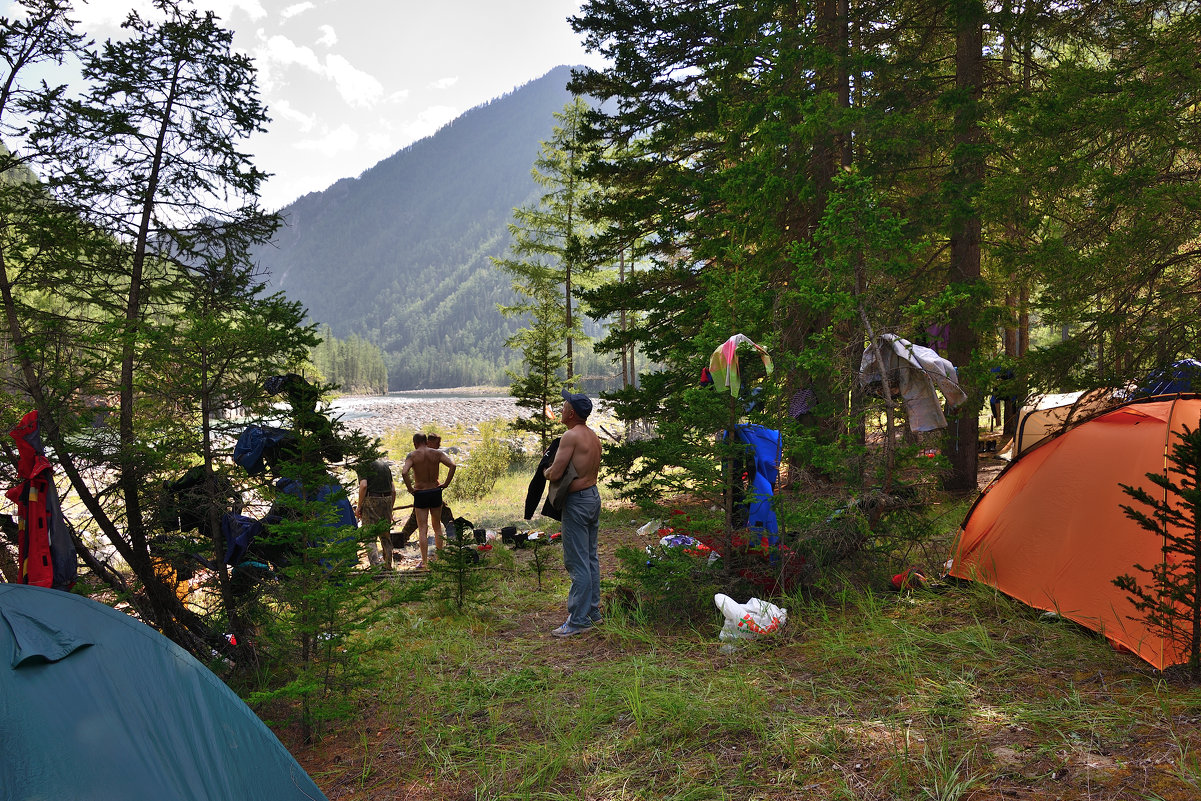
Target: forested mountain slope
[[400, 255]]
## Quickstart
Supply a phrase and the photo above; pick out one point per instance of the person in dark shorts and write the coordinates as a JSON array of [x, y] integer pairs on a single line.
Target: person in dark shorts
[[427, 498], [420, 474]]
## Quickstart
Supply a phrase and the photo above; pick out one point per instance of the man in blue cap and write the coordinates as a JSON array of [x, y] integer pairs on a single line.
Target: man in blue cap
[[579, 452]]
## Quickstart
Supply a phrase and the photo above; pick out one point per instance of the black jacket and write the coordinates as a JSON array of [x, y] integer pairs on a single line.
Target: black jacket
[[538, 486]]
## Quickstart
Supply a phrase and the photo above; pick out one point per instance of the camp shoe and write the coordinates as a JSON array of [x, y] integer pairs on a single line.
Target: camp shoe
[[568, 630]]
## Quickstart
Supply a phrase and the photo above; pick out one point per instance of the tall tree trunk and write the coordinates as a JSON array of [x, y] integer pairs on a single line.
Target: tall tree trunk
[[967, 172], [626, 356]]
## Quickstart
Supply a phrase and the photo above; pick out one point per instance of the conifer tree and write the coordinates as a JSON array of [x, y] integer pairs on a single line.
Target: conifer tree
[[548, 270], [1171, 602], [320, 602], [459, 577], [138, 310]]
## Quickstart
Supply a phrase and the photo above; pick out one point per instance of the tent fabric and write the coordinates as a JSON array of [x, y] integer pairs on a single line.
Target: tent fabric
[[1047, 415], [94, 704], [1049, 531], [1183, 375]]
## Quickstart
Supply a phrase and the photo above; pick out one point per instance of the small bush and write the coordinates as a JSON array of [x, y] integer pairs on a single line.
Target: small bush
[[670, 583], [459, 579], [489, 460]]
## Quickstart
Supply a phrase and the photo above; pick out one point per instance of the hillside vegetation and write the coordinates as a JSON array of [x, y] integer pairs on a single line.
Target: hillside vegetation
[[400, 255]]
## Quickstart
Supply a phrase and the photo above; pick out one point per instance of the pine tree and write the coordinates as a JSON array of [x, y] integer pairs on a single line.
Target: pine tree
[[712, 123], [459, 577], [1171, 602], [310, 639], [548, 270], [146, 211]]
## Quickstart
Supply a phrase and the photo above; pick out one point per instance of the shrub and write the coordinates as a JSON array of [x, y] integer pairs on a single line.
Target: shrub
[[669, 583], [459, 578], [489, 460], [1170, 600]]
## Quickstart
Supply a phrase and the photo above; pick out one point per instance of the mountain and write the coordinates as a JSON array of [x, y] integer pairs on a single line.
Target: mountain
[[400, 255]]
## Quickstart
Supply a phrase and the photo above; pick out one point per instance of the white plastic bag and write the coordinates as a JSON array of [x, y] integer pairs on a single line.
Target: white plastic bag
[[751, 619], [650, 528]]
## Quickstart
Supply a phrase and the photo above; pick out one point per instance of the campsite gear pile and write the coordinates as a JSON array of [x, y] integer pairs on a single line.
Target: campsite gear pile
[[766, 561], [99, 705], [908, 579], [509, 535]]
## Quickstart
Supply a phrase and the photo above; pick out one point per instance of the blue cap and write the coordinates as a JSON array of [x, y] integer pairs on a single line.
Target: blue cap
[[580, 402]]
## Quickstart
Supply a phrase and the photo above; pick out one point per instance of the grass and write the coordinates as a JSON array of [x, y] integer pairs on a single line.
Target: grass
[[959, 693]]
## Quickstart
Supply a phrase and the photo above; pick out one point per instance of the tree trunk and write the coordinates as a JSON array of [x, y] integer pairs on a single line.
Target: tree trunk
[[967, 174]]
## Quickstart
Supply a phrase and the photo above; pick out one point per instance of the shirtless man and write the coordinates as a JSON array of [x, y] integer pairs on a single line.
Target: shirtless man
[[420, 474], [580, 448]]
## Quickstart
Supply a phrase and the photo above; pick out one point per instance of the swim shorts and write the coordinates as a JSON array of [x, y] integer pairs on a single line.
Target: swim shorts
[[427, 498]]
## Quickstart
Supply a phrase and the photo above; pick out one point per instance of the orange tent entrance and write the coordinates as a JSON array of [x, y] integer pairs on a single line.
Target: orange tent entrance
[[1050, 532]]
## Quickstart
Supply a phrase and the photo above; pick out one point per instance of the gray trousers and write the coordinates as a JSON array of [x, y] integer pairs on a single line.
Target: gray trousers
[[581, 524]]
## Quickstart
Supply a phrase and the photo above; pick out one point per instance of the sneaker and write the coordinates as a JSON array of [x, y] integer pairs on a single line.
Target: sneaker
[[568, 630]]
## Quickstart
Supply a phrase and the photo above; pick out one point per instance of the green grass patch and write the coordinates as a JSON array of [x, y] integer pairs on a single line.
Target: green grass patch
[[960, 693]]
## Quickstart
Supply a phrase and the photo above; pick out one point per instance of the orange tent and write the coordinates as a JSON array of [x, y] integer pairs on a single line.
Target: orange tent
[[1050, 530]]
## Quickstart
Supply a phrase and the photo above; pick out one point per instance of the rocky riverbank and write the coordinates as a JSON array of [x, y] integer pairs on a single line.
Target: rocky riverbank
[[446, 410], [376, 416]]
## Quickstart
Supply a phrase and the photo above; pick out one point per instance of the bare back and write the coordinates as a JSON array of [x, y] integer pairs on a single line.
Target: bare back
[[425, 464]]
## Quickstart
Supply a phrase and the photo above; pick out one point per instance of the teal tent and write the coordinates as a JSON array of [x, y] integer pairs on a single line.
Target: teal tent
[[94, 704]]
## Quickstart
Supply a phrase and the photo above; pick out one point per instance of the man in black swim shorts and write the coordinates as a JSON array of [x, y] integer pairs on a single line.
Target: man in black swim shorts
[[420, 474], [427, 498]]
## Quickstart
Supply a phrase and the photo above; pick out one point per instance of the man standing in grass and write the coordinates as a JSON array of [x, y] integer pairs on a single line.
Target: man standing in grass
[[420, 474], [578, 462], [377, 496]]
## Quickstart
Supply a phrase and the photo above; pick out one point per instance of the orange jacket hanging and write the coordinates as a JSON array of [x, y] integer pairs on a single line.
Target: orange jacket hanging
[[45, 550]]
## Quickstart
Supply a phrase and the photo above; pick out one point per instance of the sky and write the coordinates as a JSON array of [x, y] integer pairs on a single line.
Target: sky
[[350, 82]]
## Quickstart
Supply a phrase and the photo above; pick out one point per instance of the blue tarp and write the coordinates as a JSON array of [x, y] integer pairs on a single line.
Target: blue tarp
[[762, 472], [256, 445]]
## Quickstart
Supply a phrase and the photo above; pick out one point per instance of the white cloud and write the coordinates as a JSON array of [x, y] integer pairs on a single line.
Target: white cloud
[[400, 95], [295, 10], [225, 8], [356, 87], [379, 142], [275, 54], [342, 139], [445, 83], [109, 13], [284, 112], [328, 37], [283, 51]]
